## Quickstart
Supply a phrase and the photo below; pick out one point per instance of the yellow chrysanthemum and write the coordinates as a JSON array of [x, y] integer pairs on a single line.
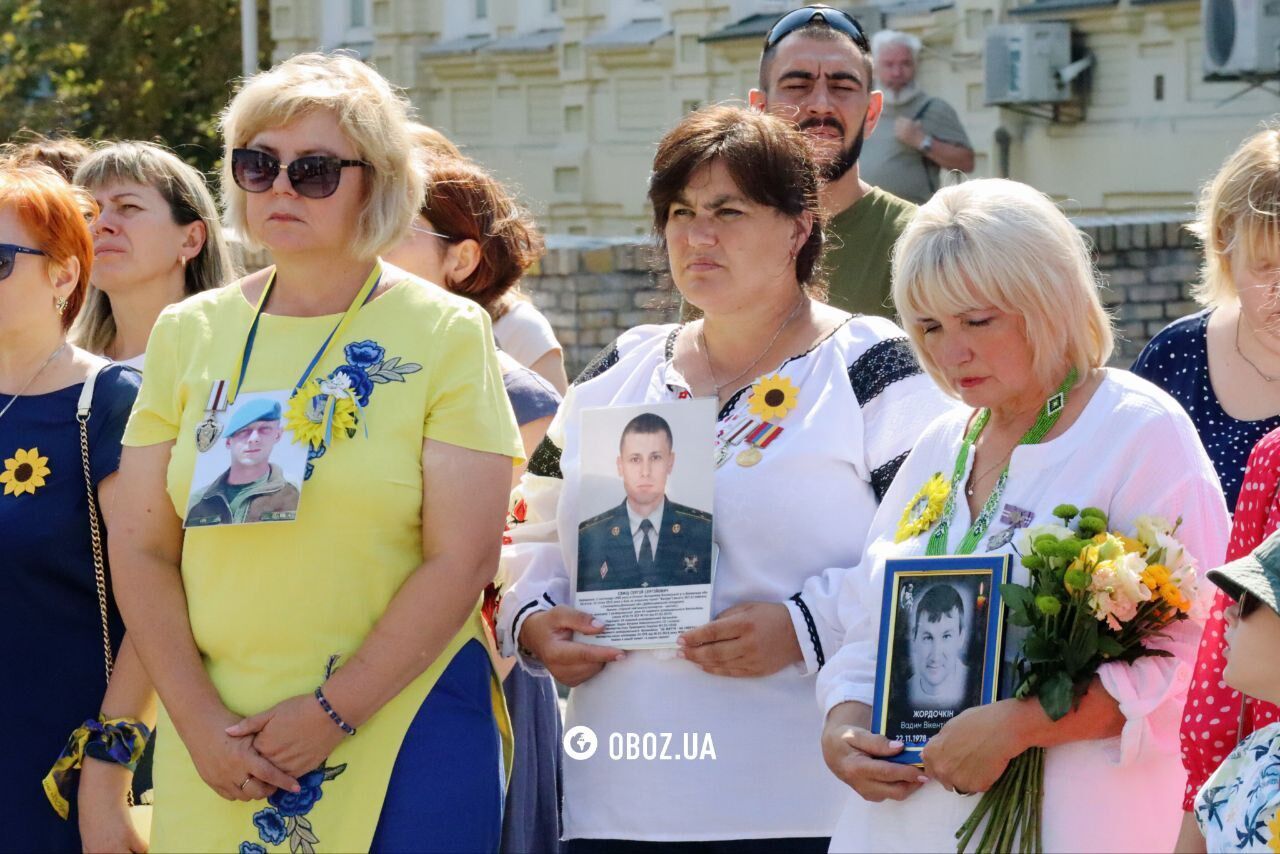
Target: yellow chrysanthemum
[[25, 472], [772, 397], [924, 509], [1274, 826], [309, 409]]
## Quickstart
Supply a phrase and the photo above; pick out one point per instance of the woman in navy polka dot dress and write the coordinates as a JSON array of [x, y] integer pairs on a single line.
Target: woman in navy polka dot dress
[[1223, 364]]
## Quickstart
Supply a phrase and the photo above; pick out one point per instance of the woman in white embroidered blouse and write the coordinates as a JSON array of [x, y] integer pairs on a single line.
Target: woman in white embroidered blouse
[[999, 298], [734, 197]]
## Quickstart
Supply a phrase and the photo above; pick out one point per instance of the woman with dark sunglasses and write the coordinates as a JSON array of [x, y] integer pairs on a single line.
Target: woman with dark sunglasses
[[323, 669], [52, 621]]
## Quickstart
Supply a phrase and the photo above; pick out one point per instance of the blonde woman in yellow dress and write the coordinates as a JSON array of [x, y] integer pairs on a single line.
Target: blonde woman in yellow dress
[[325, 676]]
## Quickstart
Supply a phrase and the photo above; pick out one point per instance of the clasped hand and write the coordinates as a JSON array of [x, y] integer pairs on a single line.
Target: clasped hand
[[295, 735], [231, 765]]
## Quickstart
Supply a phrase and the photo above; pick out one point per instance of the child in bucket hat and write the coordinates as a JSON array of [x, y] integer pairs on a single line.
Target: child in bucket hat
[[1238, 809]]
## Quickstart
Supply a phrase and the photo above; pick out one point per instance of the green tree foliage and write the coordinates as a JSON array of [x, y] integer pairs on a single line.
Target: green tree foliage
[[159, 70]]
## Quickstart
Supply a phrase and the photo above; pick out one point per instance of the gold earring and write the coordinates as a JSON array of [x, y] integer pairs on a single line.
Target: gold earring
[[182, 259], [60, 303]]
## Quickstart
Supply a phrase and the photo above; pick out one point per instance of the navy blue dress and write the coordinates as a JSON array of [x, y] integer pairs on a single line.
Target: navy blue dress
[[50, 631], [1177, 360]]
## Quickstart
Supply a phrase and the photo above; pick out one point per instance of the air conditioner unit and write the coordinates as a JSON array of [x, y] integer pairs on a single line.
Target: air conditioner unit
[[1023, 61], [1241, 38]]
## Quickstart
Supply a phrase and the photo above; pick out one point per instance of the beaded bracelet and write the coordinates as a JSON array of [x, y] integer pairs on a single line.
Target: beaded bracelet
[[333, 716]]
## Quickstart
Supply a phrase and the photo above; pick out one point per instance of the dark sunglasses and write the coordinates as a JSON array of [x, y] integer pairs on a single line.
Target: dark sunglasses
[[834, 18], [315, 176], [8, 252]]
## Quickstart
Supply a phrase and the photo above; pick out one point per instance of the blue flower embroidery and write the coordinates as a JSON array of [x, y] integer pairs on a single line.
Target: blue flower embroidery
[[286, 817], [271, 826], [301, 801], [367, 366], [364, 354]]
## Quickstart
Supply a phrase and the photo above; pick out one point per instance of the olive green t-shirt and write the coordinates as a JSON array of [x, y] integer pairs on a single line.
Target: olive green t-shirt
[[859, 251]]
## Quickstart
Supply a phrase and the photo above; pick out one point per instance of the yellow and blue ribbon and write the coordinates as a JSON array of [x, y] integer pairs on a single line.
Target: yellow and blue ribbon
[[118, 740]]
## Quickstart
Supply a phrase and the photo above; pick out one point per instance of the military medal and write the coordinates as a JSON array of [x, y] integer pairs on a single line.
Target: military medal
[[757, 440], [731, 438], [208, 430]]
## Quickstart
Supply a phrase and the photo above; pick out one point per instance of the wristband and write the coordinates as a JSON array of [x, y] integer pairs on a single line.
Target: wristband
[[117, 740], [333, 716]]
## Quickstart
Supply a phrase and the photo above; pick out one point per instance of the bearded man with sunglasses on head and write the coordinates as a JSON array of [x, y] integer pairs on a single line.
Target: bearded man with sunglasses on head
[[816, 70]]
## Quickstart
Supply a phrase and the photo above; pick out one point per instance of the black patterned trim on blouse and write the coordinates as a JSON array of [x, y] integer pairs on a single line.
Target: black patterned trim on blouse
[[883, 476], [813, 630], [550, 601], [545, 459], [603, 361], [880, 367], [531, 604], [731, 403]]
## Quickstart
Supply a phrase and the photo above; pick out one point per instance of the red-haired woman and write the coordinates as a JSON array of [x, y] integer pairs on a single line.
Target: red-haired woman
[[51, 627]]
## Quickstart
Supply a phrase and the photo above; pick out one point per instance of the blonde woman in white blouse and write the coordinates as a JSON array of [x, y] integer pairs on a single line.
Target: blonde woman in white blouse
[[734, 197], [999, 298]]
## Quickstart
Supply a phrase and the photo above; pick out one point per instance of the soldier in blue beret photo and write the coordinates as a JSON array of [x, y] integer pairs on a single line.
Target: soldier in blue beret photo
[[259, 475]]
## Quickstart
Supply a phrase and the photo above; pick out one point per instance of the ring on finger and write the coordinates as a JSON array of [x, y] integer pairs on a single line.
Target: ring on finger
[[246, 782]]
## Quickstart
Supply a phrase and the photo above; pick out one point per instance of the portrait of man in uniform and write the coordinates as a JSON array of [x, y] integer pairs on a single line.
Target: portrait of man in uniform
[[648, 540], [253, 488]]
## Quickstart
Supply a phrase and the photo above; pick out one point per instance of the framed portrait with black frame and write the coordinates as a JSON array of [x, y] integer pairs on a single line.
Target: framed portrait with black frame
[[940, 645]]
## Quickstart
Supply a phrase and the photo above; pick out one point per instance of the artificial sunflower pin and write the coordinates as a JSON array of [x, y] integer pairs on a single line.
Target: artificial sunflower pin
[[25, 472], [312, 406], [924, 509], [772, 397]]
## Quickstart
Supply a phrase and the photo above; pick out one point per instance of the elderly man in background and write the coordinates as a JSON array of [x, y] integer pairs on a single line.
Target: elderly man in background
[[925, 135], [816, 71]]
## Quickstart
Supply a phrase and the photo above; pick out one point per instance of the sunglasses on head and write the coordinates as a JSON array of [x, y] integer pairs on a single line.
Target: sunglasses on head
[[8, 255], [834, 18], [315, 176]]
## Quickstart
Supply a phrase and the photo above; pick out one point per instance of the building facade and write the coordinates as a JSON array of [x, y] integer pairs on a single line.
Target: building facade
[[566, 99]]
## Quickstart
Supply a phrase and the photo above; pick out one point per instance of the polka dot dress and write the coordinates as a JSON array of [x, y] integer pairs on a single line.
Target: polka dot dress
[[1177, 360], [1211, 718]]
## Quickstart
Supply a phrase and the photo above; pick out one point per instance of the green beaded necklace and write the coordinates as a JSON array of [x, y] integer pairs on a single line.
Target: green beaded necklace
[[1048, 417]]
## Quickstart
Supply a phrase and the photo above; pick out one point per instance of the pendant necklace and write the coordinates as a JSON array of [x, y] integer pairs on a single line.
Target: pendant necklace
[[706, 351], [34, 377]]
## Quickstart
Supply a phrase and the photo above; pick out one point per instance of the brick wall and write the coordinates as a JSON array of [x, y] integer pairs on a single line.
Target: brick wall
[[592, 290]]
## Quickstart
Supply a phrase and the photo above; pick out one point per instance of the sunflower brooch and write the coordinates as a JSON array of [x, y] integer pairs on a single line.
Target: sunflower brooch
[[772, 397], [320, 410], [924, 509], [24, 472]]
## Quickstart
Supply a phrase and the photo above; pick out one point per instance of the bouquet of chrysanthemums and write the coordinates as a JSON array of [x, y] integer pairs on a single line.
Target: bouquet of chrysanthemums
[[1094, 596]]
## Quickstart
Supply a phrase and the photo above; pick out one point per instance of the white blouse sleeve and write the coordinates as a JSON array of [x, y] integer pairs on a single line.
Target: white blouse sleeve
[[531, 573], [850, 672], [1172, 477], [896, 402]]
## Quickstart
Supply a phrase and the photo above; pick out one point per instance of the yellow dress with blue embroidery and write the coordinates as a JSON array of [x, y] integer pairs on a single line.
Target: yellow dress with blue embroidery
[[270, 603]]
